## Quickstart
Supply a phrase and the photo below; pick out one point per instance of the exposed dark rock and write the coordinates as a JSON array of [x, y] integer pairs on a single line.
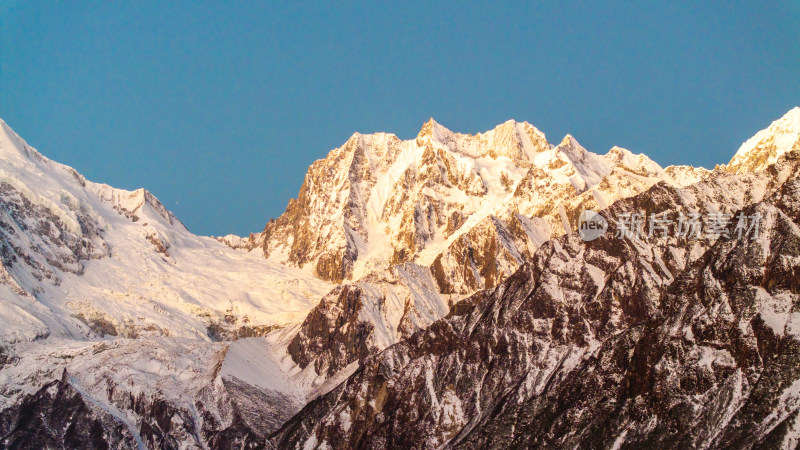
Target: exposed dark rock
[[223, 331], [98, 323], [331, 346], [160, 245], [57, 416]]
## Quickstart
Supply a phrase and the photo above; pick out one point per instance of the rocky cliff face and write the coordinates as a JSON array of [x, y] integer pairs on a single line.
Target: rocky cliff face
[[659, 341], [355, 320]]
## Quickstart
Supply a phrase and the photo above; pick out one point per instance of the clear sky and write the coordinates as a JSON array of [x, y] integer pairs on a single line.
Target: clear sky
[[218, 109]]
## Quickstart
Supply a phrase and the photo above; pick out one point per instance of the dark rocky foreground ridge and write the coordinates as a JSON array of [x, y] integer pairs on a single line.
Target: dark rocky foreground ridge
[[660, 342], [228, 414]]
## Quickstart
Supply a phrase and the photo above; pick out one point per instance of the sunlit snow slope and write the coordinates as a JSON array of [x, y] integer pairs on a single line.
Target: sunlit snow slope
[[77, 253]]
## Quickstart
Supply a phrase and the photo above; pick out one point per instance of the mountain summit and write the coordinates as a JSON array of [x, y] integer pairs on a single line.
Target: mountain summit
[[378, 201], [763, 149]]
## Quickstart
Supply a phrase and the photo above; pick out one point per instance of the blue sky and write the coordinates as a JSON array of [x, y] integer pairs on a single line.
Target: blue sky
[[218, 109]]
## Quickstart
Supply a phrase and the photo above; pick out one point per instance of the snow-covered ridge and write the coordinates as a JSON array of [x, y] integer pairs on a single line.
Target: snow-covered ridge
[[83, 258], [769, 144]]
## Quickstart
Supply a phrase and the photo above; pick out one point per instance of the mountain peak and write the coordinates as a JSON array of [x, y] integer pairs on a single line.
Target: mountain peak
[[570, 141], [434, 130], [766, 146]]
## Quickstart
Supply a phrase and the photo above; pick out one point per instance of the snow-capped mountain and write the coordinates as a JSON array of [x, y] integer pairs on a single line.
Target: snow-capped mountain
[[657, 341], [379, 201], [422, 293], [118, 261], [420, 224]]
